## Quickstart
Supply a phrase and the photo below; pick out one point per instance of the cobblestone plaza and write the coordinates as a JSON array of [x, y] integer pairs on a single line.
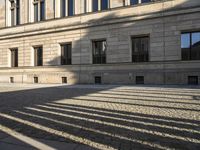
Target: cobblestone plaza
[[99, 117]]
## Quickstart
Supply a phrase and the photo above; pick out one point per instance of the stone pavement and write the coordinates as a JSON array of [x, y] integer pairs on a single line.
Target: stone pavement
[[99, 117]]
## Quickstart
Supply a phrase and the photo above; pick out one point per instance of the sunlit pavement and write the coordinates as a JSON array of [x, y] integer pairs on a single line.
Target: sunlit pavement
[[99, 117]]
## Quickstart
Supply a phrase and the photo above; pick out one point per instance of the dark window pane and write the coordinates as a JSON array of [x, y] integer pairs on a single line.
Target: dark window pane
[[63, 8], [70, 7], [35, 79], [140, 48], [64, 80], [42, 10], [99, 52], [193, 80], [38, 56], [195, 47], [97, 80], [95, 5], [133, 2], [104, 4], [17, 12], [35, 12], [66, 54], [14, 58], [139, 79], [145, 1]]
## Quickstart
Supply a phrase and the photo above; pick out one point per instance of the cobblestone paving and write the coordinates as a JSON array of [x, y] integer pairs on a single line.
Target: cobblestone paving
[[103, 117]]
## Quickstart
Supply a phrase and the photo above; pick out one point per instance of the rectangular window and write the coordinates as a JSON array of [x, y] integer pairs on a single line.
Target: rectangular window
[[190, 46], [140, 49], [104, 4], [42, 10], [35, 79], [63, 8], [39, 10], [17, 12], [70, 7], [14, 12], [193, 80], [95, 5], [66, 54], [139, 79], [38, 56], [36, 12], [97, 79], [99, 51], [134, 2], [145, 1], [14, 57], [11, 79], [64, 80]]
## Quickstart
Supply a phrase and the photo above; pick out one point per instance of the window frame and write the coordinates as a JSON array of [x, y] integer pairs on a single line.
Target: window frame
[[66, 59], [148, 51], [190, 46], [14, 12], [103, 57], [14, 60], [40, 14], [38, 62], [69, 8]]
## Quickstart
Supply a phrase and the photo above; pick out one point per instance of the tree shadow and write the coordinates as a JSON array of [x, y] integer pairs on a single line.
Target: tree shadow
[[62, 114]]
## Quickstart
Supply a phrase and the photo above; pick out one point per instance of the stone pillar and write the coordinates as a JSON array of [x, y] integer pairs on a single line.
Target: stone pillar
[[2, 14]]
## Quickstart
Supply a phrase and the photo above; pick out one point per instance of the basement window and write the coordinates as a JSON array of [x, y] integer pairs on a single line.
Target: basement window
[[11, 79], [64, 80], [193, 80], [35, 79], [97, 79], [139, 79]]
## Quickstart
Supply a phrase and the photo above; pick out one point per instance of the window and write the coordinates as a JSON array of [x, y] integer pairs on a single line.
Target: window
[[14, 57], [35, 79], [190, 45], [38, 56], [36, 12], [42, 10], [63, 8], [140, 48], [66, 54], [11, 79], [193, 80], [97, 80], [139, 80], [99, 52], [39, 10], [134, 2], [95, 5], [64, 80], [104, 4], [70, 7], [145, 1], [15, 12]]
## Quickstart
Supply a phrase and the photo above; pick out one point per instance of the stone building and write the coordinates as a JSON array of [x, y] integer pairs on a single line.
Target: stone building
[[100, 41]]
